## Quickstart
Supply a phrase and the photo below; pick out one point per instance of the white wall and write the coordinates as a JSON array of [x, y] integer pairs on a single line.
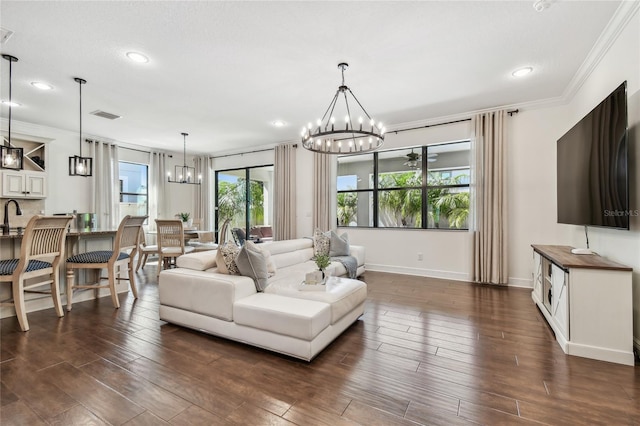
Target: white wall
[[532, 169]]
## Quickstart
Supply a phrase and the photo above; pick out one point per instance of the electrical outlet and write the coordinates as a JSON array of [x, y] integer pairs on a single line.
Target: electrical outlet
[[419, 256]]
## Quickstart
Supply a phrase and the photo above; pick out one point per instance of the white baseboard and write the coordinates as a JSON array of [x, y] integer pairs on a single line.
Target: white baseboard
[[435, 273], [421, 272], [520, 282]]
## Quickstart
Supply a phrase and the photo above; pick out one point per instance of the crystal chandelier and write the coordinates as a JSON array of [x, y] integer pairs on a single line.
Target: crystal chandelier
[[184, 173], [329, 137]]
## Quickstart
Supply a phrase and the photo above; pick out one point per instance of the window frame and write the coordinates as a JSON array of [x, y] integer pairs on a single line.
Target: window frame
[[122, 193], [247, 195], [424, 188]]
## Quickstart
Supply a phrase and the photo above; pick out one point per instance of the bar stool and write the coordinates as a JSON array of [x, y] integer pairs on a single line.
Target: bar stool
[[41, 251], [127, 238], [170, 242]]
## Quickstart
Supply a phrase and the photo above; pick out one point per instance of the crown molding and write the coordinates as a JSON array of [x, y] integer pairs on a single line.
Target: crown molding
[[618, 22]]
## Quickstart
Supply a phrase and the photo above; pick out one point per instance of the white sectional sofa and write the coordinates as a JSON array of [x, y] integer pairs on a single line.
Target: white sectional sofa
[[283, 318]]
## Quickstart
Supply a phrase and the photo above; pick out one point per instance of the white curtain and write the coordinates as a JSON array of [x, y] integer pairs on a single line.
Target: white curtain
[[204, 197], [285, 192], [106, 184], [157, 188], [322, 198], [489, 188]]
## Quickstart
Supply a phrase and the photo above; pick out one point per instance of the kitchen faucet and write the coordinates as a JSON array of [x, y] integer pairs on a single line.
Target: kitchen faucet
[[5, 224]]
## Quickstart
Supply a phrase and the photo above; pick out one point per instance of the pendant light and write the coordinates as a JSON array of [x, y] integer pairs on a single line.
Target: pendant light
[[10, 157], [79, 165], [329, 137], [184, 173]]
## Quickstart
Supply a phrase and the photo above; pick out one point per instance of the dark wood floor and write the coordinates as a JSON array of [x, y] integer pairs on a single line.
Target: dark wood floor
[[427, 351]]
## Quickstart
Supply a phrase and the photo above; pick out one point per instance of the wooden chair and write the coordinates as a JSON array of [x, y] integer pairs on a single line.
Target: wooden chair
[[170, 242], [127, 238], [145, 250], [41, 251]]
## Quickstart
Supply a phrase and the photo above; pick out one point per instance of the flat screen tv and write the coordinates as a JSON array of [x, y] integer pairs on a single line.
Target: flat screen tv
[[593, 181]]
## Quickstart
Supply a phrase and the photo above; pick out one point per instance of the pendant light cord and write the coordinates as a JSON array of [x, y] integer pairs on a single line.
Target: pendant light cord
[[80, 136], [10, 101], [184, 150], [11, 59], [80, 82]]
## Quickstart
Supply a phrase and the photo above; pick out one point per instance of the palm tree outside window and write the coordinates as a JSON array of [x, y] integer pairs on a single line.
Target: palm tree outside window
[[423, 187]]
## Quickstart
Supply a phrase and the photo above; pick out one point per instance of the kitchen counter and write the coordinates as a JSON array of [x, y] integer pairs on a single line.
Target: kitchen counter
[[10, 244], [78, 241], [13, 234]]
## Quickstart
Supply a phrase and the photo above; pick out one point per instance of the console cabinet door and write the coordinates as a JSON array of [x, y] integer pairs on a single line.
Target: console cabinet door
[[537, 277], [560, 299]]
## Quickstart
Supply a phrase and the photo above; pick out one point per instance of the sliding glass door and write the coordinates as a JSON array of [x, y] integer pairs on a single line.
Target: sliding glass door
[[247, 207]]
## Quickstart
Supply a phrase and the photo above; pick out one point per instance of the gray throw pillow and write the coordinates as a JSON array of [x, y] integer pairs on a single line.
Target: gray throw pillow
[[339, 245], [252, 263]]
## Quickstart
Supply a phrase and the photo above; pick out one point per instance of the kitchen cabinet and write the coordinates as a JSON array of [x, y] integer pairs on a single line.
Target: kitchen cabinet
[[23, 184], [587, 301]]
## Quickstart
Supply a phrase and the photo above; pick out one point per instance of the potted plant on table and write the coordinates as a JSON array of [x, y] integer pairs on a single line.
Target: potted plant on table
[[322, 262], [185, 218]]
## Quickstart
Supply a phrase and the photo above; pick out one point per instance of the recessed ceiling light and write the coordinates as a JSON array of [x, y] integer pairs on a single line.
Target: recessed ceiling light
[[11, 104], [521, 72], [42, 86], [137, 57], [540, 5], [279, 123]]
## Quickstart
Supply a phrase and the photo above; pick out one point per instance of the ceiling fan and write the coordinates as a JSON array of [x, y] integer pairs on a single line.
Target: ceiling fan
[[413, 159]]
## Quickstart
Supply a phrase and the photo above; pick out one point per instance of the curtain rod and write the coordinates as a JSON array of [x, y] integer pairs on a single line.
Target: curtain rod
[[295, 145], [130, 149], [429, 125], [514, 111]]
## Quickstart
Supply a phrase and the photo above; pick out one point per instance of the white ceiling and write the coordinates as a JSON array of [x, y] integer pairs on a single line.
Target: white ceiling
[[224, 71]]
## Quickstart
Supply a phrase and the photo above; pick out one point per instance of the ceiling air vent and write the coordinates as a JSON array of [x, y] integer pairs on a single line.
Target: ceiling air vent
[[5, 35], [106, 115]]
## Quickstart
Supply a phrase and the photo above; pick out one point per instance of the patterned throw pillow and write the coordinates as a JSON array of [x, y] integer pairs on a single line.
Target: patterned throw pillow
[[321, 242], [226, 258]]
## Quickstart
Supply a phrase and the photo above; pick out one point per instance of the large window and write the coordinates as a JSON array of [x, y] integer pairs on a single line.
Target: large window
[[245, 206], [420, 187], [134, 189]]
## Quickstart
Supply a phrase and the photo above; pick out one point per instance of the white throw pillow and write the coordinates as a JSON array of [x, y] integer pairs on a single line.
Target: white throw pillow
[[271, 266]]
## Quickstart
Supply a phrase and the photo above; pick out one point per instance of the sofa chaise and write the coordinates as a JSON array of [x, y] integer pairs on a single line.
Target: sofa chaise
[[283, 318]]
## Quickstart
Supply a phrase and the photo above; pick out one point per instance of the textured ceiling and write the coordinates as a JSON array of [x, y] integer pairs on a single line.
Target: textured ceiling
[[224, 71]]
